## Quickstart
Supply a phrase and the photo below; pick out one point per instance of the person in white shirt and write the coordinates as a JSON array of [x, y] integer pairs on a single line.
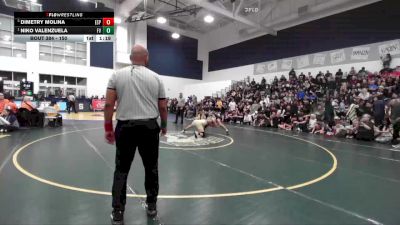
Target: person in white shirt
[[266, 100], [232, 105], [312, 122], [180, 108], [364, 95], [71, 103]]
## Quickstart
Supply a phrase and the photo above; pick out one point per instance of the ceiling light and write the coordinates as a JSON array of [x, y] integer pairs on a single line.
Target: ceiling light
[[19, 55], [84, 0], [208, 19], [175, 35], [41, 54], [65, 82], [63, 60], [6, 37], [117, 20], [161, 20], [34, 1], [68, 47]]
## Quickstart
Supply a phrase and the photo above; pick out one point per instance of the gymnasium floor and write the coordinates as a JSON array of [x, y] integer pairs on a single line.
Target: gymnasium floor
[[254, 176]]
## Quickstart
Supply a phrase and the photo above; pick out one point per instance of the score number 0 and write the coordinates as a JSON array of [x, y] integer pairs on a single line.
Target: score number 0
[[108, 21], [108, 25]]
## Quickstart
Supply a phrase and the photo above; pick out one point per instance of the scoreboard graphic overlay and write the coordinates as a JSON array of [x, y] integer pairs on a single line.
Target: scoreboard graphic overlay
[[64, 26]]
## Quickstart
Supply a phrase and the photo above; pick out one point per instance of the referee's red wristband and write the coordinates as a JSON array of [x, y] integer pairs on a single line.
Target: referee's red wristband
[[108, 126]]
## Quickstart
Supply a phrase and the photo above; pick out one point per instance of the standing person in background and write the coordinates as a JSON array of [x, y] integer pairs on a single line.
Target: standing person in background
[[394, 106], [379, 111], [180, 108], [219, 104], [71, 103], [141, 100], [386, 61]]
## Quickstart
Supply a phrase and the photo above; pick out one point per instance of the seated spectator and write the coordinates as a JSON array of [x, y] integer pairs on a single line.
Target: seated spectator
[[247, 118], [255, 107], [364, 95], [55, 106], [318, 128], [383, 134], [339, 130], [352, 72], [338, 76], [27, 104], [301, 124], [285, 126], [276, 119], [261, 119], [365, 129], [312, 122], [3, 103], [12, 105], [239, 116], [56, 109], [328, 74], [8, 121], [230, 116], [232, 105], [302, 77]]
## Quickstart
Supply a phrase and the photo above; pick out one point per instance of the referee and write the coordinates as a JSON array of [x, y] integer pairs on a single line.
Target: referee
[[141, 99], [180, 108]]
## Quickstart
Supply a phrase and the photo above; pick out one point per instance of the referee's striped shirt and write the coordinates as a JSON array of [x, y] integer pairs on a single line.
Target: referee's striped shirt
[[138, 91]]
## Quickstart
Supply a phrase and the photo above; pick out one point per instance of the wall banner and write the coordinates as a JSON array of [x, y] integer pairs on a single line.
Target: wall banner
[[392, 48], [338, 56], [319, 59], [287, 64], [259, 68], [273, 66], [360, 53]]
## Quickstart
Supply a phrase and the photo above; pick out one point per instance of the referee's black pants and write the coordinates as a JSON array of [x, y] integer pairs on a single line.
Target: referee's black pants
[[179, 112], [143, 134], [71, 104]]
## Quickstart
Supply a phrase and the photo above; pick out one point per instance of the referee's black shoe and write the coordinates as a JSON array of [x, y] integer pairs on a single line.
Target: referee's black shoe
[[151, 209], [117, 217]]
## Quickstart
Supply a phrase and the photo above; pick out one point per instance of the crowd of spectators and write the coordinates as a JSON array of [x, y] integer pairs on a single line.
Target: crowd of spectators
[[27, 114], [352, 104]]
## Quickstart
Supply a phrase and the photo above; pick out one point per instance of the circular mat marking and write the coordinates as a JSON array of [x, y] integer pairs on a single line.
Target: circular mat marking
[[193, 196]]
